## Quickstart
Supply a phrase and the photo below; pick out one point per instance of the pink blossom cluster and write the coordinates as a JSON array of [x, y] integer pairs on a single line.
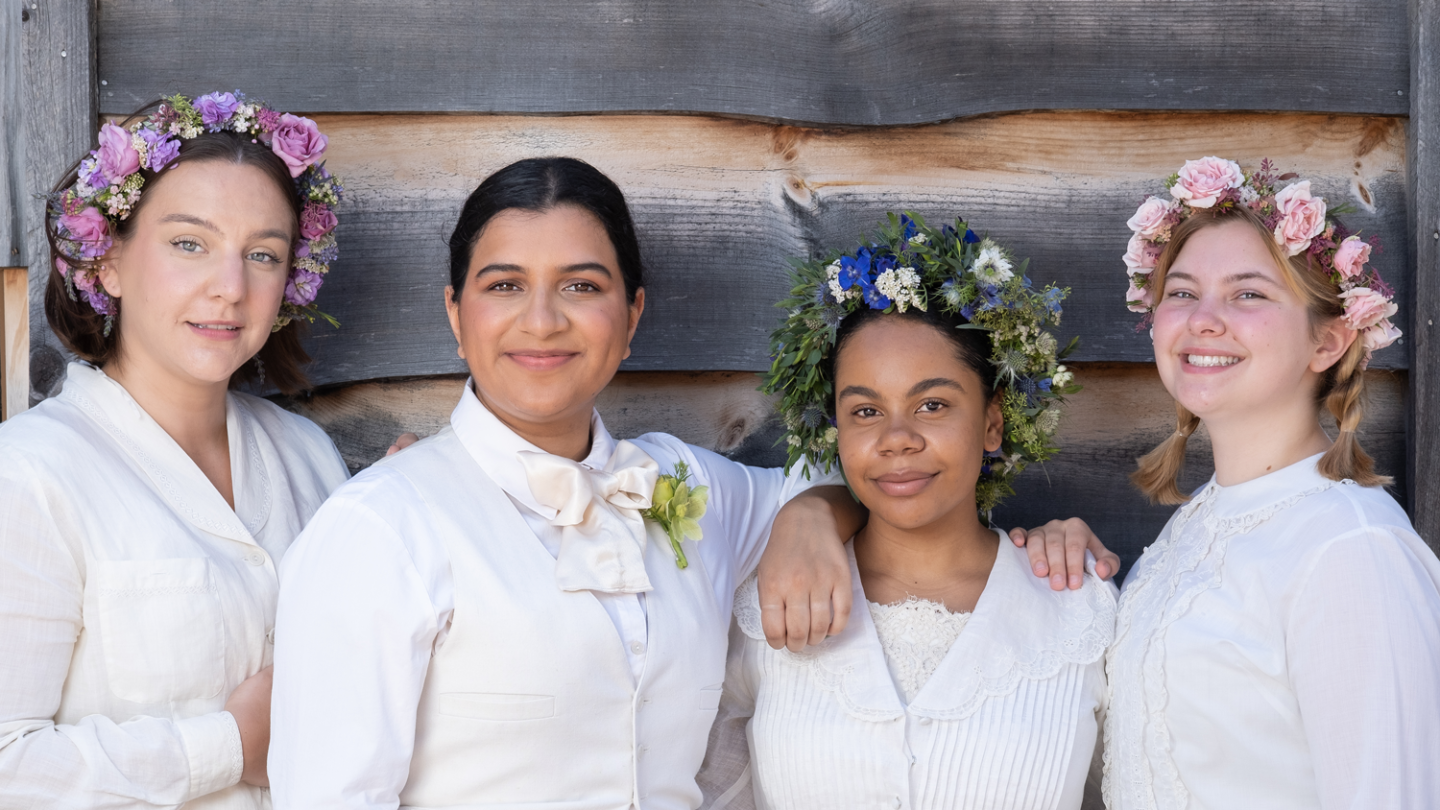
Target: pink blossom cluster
[[1299, 223], [110, 179]]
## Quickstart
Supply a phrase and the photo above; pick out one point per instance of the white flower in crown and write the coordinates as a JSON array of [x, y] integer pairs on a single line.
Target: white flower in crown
[[832, 283], [991, 266], [900, 285]]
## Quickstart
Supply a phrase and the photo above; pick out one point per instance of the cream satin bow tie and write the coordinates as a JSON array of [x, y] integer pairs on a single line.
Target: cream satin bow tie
[[602, 534]]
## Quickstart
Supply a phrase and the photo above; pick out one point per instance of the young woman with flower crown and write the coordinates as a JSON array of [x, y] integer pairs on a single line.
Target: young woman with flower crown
[[1278, 645], [517, 610], [921, 364], [144, 510]]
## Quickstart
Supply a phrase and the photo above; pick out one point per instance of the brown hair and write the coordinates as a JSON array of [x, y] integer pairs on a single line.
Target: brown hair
[[1341, 390], [84, 331]]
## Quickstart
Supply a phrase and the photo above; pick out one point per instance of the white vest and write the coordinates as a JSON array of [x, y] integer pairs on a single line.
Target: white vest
[[530, 701]]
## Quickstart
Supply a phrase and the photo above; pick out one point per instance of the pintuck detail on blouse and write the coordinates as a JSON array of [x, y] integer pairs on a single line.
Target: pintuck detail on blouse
[[916, 635]]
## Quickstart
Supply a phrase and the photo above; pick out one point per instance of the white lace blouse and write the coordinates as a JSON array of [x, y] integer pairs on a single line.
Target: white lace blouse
[[1278, 646], [1008, 719]]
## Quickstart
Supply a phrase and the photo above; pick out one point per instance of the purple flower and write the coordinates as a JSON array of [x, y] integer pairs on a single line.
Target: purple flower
[[298, 142], [117, 158], [316, 220], [90, 173], [90, 228], [99, 301], [303, 287], [268, 119], [215, 108], [163, 148]]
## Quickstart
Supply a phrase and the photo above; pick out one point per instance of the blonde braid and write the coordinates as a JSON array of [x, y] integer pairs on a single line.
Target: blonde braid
[[1158, 471], [1345, 398]]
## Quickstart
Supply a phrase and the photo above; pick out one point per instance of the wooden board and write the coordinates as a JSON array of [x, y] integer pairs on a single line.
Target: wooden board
[[1121, 414], [14, 342], [12, 125], [1423, 171], [720, 204], [881, 62], [60, 115]]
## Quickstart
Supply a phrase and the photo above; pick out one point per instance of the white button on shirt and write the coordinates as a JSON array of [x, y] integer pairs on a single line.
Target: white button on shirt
[[133, 599]]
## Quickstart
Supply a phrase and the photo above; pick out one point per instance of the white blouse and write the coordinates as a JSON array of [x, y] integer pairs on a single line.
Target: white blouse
[[1278, 646], [1008, 719], [133, 599], [343, 733]]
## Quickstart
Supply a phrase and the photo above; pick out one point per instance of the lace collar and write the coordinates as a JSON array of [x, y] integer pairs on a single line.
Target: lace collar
[[1019, 630], [495, 447], [1269, 489]]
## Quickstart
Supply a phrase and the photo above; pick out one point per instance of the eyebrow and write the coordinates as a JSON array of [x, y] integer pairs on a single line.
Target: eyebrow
[[271, 233], [1249, 275], [923, 385], [594, 267]]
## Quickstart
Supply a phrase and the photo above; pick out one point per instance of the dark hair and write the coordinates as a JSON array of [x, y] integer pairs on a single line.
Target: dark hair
[[82, 330], [972, 346], [540, 184]]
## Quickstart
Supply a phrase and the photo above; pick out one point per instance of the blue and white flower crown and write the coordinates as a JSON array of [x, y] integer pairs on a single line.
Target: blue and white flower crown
[[909, 264], [109, 181]]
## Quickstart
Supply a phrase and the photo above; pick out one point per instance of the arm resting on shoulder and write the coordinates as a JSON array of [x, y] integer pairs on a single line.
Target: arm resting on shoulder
[[805, 585]]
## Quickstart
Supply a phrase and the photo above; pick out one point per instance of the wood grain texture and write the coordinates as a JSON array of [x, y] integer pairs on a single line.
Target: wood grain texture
[[1423, 188], [720, 205], [848, 62], [1121, 414], [14, 341], [12, 153], [60, 125]]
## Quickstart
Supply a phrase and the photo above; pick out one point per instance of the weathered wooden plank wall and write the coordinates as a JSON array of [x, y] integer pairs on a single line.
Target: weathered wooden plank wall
[[857, 62], [1423, 173]]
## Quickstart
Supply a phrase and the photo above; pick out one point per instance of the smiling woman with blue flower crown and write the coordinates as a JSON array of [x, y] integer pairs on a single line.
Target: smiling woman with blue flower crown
[[921, 365]]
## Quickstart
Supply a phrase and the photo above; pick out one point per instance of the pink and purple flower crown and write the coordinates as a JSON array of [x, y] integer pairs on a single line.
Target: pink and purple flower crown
[[1299, 221], [110, 180]]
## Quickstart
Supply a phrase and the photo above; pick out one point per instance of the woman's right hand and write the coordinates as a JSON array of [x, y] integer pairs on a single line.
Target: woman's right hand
[[249, 704]]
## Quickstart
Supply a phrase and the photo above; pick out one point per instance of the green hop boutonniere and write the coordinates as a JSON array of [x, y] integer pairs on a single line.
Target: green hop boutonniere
[[678, 509]]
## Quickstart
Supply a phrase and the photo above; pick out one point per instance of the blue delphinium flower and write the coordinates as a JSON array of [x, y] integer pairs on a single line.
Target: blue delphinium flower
[[989, 297], [970, 237], [882, 264], [968, 311], [855, 270], [873, 297], [1053, 297], [907, 228]]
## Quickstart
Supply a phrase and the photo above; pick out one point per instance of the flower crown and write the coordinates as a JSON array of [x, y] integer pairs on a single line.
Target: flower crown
[[1299, 221], [87, 214], [909, 264]]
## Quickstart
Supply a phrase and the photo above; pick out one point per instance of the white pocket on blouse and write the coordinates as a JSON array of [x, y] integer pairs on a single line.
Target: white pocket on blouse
[[160, 628], [710, 699]]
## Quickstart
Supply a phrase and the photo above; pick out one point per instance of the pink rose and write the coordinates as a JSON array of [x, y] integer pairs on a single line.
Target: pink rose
[[1351, 256], [1151, 219], [1364, 307], [117, 158], [316, 220], [1203, 181], [1141, 255], [1302, 217], [90, 228], [1380, 335], [1137, 299], [298, 142]]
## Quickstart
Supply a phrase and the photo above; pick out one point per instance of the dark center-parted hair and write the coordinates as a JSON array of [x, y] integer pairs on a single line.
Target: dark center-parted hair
[[539, 185], [82, 330], [972, 346]]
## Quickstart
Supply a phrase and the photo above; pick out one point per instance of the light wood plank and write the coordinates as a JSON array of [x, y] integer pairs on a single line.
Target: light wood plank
[[880, 62], [14, 341], [1121, 414], [60, 124], [1423, 190], [721, 204]]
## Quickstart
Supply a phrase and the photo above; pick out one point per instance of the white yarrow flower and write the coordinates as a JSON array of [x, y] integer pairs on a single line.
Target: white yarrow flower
[[1248, 194], [991, 266], [919, 239]]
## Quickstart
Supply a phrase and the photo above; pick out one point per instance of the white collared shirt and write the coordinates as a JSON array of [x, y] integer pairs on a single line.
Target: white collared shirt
[[1278, 646], [133, 599], [358, 740], [1009, 718]]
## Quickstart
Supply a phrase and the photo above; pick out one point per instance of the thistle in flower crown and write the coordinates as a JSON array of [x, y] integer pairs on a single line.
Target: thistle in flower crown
[[908, 264], [1300, 223], [85, 217]]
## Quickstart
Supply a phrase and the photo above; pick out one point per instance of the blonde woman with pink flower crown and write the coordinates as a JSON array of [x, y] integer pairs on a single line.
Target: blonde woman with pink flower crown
[[144, 511], [1278, 645]]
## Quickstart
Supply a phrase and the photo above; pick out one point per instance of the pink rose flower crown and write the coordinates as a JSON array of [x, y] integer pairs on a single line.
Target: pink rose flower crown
[[1299, 221], [85, 215]]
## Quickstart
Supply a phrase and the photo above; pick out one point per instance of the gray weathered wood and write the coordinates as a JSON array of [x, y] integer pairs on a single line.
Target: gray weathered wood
[[847, 63], [1122, 413], [1423, 173], [60, 116], [720, 205], [12, 229]]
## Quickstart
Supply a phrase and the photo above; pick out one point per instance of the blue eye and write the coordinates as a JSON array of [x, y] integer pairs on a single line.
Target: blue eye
[[261, 256], [187, 245]]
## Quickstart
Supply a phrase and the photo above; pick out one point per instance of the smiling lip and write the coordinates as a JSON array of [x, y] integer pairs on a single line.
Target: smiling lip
[[902, 483], [215, 330], [541, 360], [1208, 361]]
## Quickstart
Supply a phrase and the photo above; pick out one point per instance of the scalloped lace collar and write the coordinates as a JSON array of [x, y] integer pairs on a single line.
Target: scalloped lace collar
[[1259, 493], [1019, 630]]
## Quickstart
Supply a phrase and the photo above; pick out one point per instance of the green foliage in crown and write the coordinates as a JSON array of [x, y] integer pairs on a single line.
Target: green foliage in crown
[[908, 264]]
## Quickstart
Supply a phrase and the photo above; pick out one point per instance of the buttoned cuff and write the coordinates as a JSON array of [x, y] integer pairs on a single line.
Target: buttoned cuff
[[212, 745]]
